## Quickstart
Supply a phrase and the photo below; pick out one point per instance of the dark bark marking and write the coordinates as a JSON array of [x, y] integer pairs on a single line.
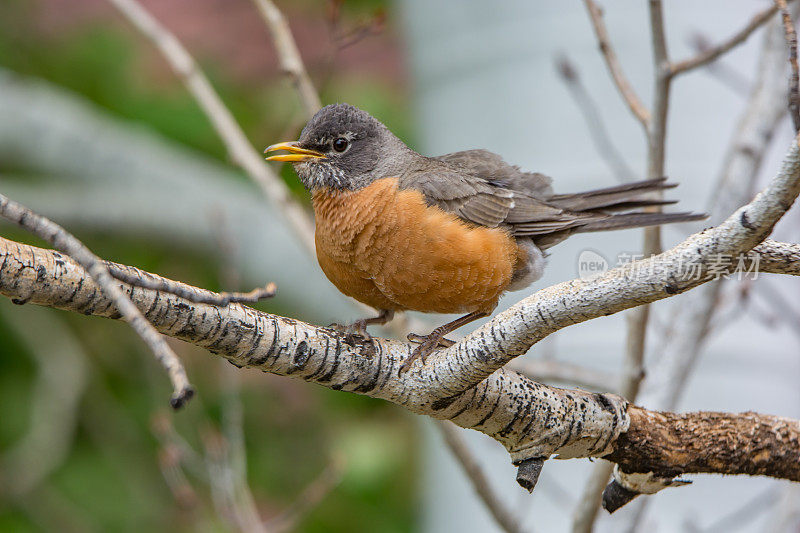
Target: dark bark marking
[[263, 359], [745, 221], [321, 366], [467, 404], [301, 353], [444, 403], [373, 381], [494, 407], [332, 372]]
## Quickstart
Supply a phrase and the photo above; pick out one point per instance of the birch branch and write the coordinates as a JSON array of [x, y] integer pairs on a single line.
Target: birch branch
[[531, 420], [205, 297]]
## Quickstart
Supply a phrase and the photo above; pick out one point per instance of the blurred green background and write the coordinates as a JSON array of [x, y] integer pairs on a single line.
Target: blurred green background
[[87, 442]]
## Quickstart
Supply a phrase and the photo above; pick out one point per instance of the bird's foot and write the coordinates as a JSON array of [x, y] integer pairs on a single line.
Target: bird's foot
[[419, 339], [356, 333], [357, 328], [427, 345]]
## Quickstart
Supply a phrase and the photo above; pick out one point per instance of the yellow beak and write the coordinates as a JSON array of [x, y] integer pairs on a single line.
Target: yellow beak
[[297, 154]]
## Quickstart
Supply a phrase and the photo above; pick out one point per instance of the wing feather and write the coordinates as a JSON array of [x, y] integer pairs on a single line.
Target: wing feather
[[481, 188]]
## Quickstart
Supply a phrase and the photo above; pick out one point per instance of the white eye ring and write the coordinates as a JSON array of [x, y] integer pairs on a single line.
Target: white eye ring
[[340, 144]]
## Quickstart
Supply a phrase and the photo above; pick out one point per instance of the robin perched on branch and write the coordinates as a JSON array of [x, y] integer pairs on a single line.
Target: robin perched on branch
[[400, 231]]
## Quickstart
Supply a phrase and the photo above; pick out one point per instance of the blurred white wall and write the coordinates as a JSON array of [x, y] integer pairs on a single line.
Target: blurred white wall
[[484, 76]]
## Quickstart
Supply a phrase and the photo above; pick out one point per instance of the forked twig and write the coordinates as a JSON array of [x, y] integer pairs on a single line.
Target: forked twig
[[712, 53], [65, 242], [205, 297]]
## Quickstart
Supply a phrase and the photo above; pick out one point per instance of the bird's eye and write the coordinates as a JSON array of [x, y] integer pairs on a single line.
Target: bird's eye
[[340, 144]]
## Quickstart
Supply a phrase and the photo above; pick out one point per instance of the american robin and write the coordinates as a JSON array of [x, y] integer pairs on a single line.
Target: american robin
[[400, 231]]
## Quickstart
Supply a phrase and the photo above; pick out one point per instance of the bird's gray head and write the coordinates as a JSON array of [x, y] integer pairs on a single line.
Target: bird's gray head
[[344, 148]]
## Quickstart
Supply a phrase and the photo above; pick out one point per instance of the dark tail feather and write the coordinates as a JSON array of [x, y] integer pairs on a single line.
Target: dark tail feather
[[620, 197], [655, 183], [638, 220]]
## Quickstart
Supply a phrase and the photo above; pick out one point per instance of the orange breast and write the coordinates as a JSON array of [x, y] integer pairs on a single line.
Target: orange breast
[[385, 247]]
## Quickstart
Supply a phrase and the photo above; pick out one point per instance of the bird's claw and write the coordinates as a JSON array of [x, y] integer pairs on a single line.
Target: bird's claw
[[427, 345], [419, 339], [354, 329], [356, 334]]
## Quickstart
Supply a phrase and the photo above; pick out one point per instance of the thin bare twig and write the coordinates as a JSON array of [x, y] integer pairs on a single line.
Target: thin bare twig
[[739, 516], [656, 137], [657, 131], [585, 513], [726, 74], [776, 301], [623, 85], [311, 497], [164, 431], [239, 148], [714, 52], [64, 242], [794, 79], [220, 299], [169, 462], [232, 497], [562, 372], [55, 400], [597, 130], [289, 56], [656, 150], [474, 473], [373, 26]]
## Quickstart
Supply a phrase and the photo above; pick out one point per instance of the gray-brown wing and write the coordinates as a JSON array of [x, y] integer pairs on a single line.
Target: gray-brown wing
[[479, 187], [491, 167], [487, 203]]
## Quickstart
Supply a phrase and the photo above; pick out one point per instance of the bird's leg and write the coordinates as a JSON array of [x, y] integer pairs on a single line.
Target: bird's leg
[[359, 327], [430, 342]]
